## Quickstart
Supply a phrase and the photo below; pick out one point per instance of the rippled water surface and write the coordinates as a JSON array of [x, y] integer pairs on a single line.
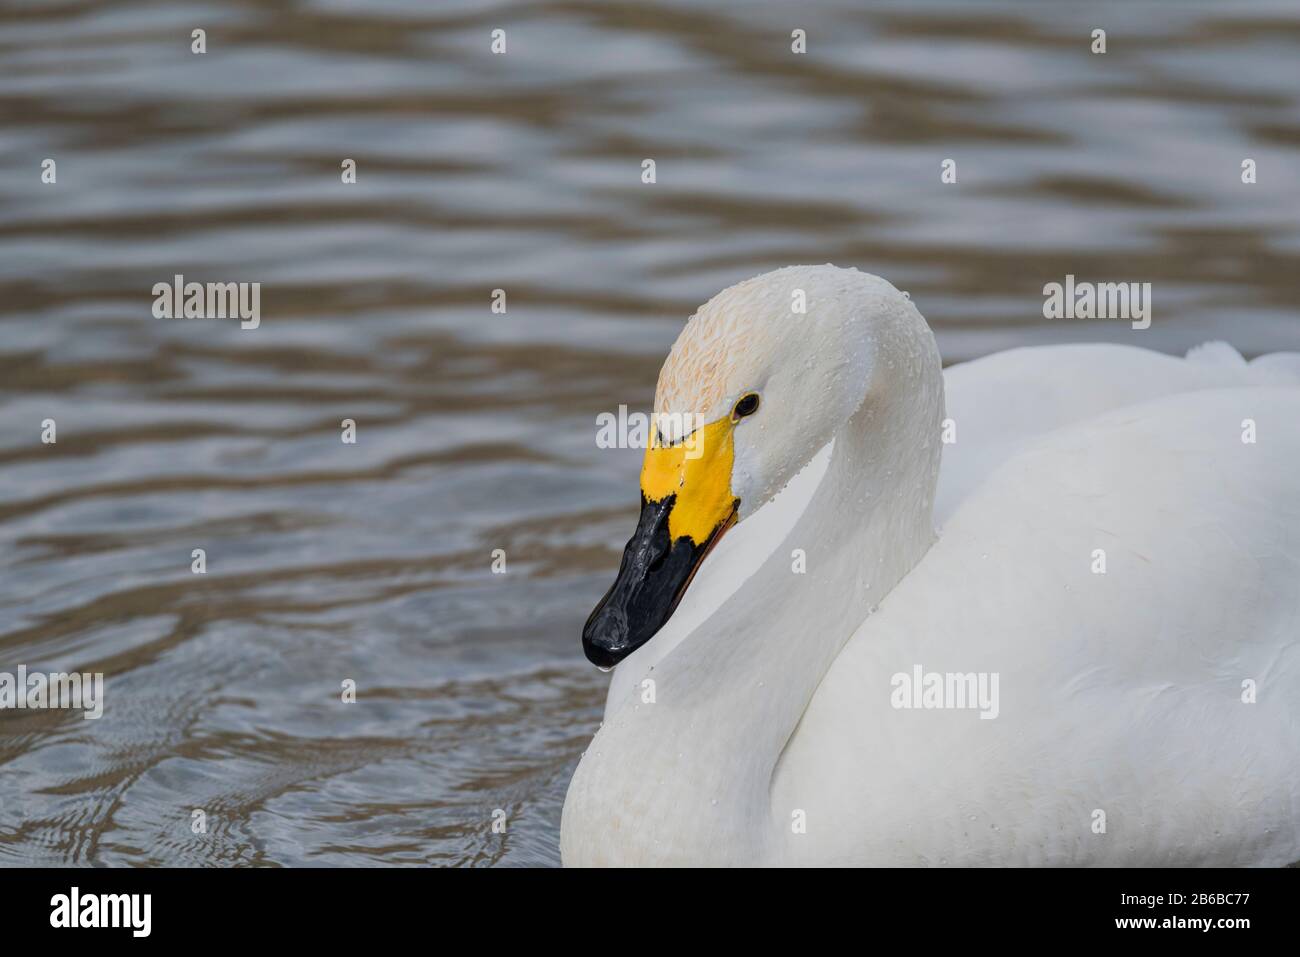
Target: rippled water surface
[[372, 562]]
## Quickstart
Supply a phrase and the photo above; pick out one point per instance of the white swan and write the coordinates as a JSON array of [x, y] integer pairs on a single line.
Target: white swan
[[1147, 714]]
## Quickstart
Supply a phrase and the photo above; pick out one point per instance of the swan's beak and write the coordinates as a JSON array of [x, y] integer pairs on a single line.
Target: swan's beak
[[686, 507]]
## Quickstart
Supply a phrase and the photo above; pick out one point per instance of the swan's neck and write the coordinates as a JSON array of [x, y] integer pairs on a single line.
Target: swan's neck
[[688, 776]]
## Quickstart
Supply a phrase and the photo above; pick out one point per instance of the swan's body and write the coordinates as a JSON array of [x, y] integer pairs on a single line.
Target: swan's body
[[1121, 734]]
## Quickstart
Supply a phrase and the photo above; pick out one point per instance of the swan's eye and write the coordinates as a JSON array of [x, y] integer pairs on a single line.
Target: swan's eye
[[747, 405]]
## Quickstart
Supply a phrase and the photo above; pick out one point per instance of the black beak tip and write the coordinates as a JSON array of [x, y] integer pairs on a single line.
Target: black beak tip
[[605, 637], [654, 573]]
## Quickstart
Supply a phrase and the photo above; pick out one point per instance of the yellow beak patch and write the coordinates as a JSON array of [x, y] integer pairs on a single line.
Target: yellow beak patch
[[698, 471]]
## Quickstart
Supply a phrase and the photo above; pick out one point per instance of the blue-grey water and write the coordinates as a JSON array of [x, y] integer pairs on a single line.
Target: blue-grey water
[[476, 430]]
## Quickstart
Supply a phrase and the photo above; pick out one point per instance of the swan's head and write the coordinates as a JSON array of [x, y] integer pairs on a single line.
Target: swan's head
[[760, 379]]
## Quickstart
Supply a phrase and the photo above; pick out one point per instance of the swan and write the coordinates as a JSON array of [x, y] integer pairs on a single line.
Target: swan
[[1116, 560]]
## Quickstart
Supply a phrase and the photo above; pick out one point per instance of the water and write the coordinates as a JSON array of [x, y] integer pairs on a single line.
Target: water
[[372, 562]]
